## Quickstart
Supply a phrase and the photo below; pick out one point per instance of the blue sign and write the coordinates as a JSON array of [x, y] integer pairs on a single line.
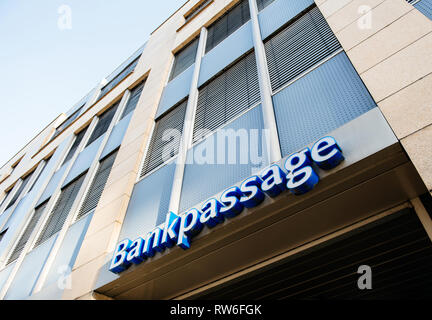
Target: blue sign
[[298, 178]]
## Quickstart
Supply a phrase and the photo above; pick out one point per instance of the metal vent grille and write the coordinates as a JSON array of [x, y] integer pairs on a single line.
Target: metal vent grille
[[75, 145], [228, 95], [20, 190], [27, 233], [161, 148], [263, 3], [95, 192], [103, 123], [61, 210], [298, 47], [397, 249], [184, 58], [227, 24], [133, 99]]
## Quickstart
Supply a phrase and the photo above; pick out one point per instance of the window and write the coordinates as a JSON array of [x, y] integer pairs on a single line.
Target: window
[[20, 190], [61, 209], [184, 58], [229, 94], [79, 137], [119, 78], [196, 11], [424, 6], [67, 122], [298, 47], [45, 162], [133, 99], [103, 123], [263, 3], [27, 232], [95, 192], [227, 24], [165, 141]]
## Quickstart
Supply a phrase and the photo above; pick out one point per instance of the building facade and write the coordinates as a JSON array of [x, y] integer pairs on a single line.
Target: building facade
[[252, 149]]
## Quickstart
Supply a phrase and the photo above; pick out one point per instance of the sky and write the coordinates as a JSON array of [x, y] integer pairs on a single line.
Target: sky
[[52, 53]]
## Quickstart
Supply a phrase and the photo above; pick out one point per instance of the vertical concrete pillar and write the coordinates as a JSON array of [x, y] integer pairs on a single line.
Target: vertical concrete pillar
[[265, 87], [186, 140]]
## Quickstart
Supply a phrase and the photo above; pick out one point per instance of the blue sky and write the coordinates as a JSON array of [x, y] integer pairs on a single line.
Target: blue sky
[[45, 70]]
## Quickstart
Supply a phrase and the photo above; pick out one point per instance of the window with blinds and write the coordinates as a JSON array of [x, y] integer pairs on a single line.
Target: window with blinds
[[227, 24], [119, 78], [61, 210], [184, 58], [95, 192], [27, 233], [226, 96], [20, 190], [424, 6], [299, 46], [165, 141], [197, 10], [79, 137], [133, 99], [45, 162], [67, 122], [103, 123], [263, 3]]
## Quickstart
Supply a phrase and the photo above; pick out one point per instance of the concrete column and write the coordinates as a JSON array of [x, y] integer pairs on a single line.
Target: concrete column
[[265, 87]]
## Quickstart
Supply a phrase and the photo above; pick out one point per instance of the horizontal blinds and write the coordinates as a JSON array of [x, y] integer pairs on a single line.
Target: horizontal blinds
[[27, 233], [299, 47], [133, 99], [197, 10], [103, 123], [165, 141], [184, 58], [263, 3], [61, 210], [227, 95], [424, 6], [227, 24], [122, 75], [20, 190], [95, 192], [75, 145]]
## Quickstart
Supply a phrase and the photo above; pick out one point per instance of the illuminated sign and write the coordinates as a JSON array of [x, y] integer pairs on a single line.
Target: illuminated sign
[[299, 178]]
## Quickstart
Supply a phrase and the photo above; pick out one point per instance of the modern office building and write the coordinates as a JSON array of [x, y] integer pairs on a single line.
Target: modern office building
[[253, 149]]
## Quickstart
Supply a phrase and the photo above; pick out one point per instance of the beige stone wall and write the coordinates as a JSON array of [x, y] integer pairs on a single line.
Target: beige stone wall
[[393, 59]]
